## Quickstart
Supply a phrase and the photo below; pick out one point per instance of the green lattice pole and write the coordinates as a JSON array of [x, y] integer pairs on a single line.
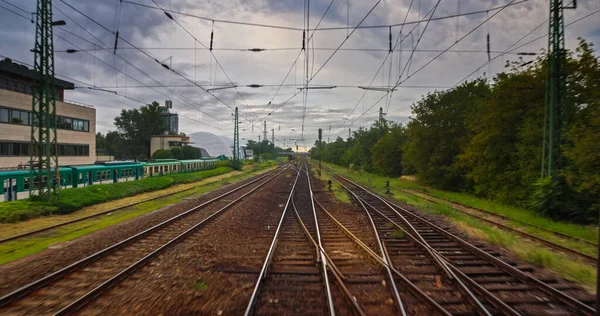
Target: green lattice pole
[[43, 147]]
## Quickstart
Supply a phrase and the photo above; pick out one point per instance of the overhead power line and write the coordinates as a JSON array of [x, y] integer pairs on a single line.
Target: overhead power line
[[279, 49], [151, 57], [290, 28], [432, 60]]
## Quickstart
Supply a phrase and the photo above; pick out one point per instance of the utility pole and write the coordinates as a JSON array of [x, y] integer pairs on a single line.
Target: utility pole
[[380, 122], [265, 139], [349, 132], [273, 141], [556, 78], [44, 146], [236, 138], [319, 148], [259, 145]]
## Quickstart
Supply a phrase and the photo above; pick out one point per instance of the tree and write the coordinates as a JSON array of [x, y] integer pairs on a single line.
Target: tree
[[191, 152], [438, 134], [177, 153], [114, 144], [137, 126], [386, 154], [101, 144], [162, 154]]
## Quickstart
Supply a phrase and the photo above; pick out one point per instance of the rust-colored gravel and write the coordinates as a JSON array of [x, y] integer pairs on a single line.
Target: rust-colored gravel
[[213, 271]]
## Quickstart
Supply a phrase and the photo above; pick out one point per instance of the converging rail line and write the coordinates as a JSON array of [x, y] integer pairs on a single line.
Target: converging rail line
[[501, 286], [588, 258], [67, 290]]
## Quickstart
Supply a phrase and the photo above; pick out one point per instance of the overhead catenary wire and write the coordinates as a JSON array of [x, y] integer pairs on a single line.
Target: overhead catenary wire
[[432, 60], [153, 58], [290, 28], [398, 42], [296, 59], [212, 54]]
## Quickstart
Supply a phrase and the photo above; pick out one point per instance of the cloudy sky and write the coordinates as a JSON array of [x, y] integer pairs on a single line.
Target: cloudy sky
[[135, 75]]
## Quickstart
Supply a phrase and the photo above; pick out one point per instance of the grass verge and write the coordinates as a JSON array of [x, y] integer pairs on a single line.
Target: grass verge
[[339, 192], [75, 199], [16, 249]]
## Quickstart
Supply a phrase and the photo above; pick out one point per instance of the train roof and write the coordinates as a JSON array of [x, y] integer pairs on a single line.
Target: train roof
[[25, 172], [105, 167]]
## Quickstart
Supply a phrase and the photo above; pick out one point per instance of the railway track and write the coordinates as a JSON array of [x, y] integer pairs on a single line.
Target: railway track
[[67, 290], [501, 286], [327, 256], [434, 198], [586, 257], [93, 216]]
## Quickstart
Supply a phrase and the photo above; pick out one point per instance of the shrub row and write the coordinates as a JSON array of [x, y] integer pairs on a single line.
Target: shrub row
[[75, 199]]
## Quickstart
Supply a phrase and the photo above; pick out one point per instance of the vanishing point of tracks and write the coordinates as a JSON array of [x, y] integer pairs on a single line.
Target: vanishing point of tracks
[[67, 290], [460, 276]]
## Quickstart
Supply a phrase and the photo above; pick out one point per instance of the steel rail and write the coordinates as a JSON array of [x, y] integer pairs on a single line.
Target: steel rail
[[409, 285], [568, 300], [38, 284], [387, 261], [591, 243], [593, 260], [444, 266], [338, 276], [491, 298], [323, 259], [89, 296], [37, 231], [264, 269]]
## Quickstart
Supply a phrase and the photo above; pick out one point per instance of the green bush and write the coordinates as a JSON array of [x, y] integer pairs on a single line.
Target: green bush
[[162, 154], [73, 199], [177, 153], [224, 163]]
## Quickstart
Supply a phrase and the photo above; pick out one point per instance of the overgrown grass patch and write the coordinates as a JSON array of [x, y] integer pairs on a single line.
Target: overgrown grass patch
[[339, 192], [74, 199]]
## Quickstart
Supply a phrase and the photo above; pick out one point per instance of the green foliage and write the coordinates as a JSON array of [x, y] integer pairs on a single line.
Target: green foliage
[[191, 152], [162, 154], [76, 198], [265, 150], [135, 127], [237, 164], [224, 163], [177, 153]]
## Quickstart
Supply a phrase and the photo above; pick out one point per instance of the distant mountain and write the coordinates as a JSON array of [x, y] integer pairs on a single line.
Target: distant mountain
[[214, 145]]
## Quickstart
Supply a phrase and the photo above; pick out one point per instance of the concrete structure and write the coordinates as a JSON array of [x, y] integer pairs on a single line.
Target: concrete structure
[[76, 132], [171, 118]]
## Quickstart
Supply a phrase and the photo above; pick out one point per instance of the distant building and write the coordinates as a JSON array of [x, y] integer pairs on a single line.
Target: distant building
[[171, 118], [249, 154], [167, 141], [76, 132]]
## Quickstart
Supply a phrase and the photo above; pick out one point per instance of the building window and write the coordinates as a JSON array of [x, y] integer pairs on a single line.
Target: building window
[[4, 115], [22, 149], [21, 117]]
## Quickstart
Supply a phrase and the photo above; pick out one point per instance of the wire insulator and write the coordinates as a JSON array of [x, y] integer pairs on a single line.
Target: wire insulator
[[116, 41], [256, 49], [488, 47], [254, 85], [303, 38], [212, 34], [390, 39], [168, 15]]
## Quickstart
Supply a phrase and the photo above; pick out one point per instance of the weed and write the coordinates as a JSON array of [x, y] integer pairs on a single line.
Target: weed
[[200, 285], [390, 225], [398, 234]]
